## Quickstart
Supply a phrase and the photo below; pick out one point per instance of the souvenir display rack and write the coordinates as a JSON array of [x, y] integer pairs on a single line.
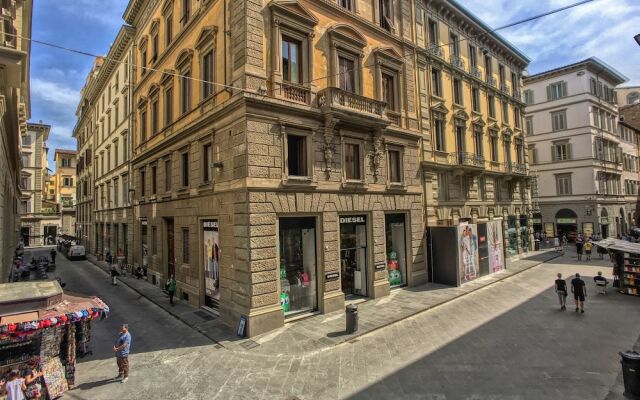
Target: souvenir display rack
[[631, 274]]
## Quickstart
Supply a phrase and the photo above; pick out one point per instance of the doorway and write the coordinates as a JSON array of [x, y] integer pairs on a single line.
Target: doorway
[[25, 233], [396, 249], [171, 260], [211, 263], [353, 255], [50, 233]]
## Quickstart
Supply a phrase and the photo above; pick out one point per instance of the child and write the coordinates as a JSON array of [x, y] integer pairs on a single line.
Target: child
[[587, 249]]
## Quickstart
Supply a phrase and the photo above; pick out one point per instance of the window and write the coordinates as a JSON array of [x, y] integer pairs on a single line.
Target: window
[[395, 166], [501, 75], [116, 152], [186, 11], [143, 70], [26, 160], [477, 140], [488, 67], [439, 132], [529, 126], [108, 158], [154, 240], [475, 99], [436, 82], [493, 141], [117, 113], [185, 245], [143, 125], [154, 179], [557, 90], [125, 105], [66, 163], [454, 44], [563, 184], [519, 152], [168, 33], [457, 91], [207, 157], [185, 169], [516, 117], [386, 17], [143, 182], [167, 175], [352, 161], [346, 4], [593, 86], [473, 56], [528, 97], [347, 74], [533, 154], [559, 120], [154, 48], [433, 32], [389, 91], [505, 112], [185, 91], [291, 60], [154, 117], [125, 149], [561, 151], [491, 103], [168, 106], [207, 74], [507, 152], [26, 182], [297, 155], [67, 181], [26, 140]]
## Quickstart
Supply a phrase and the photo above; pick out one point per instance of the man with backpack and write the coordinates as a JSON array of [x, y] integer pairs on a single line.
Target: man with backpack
[[561, 290]]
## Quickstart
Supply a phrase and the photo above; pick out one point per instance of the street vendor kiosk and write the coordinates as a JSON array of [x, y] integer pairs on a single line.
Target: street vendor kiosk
[[45, 328]]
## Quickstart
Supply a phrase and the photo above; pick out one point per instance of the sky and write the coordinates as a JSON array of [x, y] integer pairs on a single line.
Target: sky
[[602, 28]]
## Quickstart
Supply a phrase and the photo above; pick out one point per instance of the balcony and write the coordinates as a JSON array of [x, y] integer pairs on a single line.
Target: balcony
[[457, 61], [297, 93], [491, 81], [352, 105], [495, 166], [435, 50], [504, 88], [518, 168], [466, 160], [517, 95], [475, 72]]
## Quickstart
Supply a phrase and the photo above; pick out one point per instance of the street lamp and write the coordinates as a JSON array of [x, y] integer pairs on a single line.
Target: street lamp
[[637, 38]]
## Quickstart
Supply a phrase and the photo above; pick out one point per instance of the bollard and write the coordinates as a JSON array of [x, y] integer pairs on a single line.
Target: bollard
[[351, 312]]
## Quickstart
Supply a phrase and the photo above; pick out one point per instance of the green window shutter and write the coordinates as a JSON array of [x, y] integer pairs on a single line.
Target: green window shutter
[[549, 93], [564, 89]]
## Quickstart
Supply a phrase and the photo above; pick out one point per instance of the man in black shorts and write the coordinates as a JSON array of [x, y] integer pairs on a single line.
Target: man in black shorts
[[579, 290]]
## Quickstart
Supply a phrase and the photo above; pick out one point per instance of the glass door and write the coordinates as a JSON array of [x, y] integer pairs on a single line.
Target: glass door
[[396, 249], [353, 255]]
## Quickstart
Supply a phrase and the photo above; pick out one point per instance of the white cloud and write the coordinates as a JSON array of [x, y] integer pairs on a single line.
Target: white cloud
[[55, 93]]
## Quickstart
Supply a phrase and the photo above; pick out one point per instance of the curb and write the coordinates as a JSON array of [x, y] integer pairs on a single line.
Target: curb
[[351, 339]]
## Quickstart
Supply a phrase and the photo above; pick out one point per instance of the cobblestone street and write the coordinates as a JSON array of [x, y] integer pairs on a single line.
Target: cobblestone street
[[505, 341]]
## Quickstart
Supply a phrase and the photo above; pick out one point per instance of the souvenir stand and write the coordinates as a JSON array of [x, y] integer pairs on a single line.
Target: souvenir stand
[[45, 328], [626, 264]]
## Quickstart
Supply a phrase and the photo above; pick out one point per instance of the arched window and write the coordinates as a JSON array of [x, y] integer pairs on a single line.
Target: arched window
[[633, 97]]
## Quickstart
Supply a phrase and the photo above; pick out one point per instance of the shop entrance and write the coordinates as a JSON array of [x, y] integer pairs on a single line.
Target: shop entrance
[[567, 224], [50, 233], [604, 222], [396, 246], [353, 255], [211, 263], [25, 233], [171, 258], [298, 270]]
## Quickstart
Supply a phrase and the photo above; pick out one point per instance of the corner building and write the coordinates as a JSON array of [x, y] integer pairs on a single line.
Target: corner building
[[292, 181], [471, 114]]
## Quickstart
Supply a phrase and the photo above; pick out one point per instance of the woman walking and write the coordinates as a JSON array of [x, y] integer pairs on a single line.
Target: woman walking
[[561, 290]]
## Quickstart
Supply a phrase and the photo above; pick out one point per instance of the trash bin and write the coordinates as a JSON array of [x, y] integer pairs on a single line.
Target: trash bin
[[631, 372], [537, 245], [351, 313]]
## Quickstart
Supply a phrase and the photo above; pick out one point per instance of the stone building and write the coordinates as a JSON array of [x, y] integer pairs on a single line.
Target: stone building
[[474, 161], [83, 132], [628, 95], [39, 218], [15, 110], [110, 93], [65, 182], [585, 169], [276, 168]]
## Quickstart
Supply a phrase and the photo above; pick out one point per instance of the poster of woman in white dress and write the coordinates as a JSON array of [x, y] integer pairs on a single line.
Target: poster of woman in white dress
[[496, 246], [468, 254], [211, 259]]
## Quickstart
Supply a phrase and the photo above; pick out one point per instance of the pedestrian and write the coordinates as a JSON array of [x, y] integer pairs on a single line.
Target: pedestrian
[[564, 241], [109, 258], [15, 386], [171, 288], [587, 249], [121, 347], [579, 248], [114, 274], [579, 290], [32, 381], [53, 255], [561, 290]]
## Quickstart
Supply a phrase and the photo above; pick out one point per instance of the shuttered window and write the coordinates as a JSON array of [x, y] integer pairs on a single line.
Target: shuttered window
[[557, 90], [558, 120]]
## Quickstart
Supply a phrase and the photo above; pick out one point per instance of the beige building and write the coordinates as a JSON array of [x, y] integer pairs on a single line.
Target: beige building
[[474, 162], [65, 184], [628, 95], [39, 218], [15, 110]]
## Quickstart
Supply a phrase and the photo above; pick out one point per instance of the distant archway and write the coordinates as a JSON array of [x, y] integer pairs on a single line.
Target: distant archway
[[567, 224]]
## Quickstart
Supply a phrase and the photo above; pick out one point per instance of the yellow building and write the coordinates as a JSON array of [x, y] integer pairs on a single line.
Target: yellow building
[[65, 183], [471, 107]]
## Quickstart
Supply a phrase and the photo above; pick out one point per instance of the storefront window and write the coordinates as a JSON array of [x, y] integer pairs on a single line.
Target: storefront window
[[211, 263], [353, 254], [524, 233], [513, 236], [145, 249], [298, 282], [396, 249]]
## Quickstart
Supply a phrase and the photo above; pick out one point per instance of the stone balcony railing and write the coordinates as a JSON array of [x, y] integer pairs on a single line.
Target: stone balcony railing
[[466, 159], [517, 95], [491, 81], [475, 72], [504, 88], [297, 93], [337, 98], [518, 168], [435, 50], [457, 61]]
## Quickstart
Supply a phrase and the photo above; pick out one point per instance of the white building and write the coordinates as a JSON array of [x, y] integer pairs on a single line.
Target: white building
[[586, 171]]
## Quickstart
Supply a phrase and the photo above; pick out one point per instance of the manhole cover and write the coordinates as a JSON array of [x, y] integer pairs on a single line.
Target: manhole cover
[[204, 315]]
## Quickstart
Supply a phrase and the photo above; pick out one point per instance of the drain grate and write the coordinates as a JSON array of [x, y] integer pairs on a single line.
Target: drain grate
[[204, 315]]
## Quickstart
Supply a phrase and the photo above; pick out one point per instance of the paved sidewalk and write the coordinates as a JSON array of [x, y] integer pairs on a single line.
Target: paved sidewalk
[[323, 331], [617, 390]]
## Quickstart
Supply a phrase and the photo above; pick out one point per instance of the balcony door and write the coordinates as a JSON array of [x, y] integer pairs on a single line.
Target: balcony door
[[347, 74], [460, 143]]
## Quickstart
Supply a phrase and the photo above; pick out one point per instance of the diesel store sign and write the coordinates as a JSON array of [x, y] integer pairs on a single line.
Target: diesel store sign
[[358, 219]]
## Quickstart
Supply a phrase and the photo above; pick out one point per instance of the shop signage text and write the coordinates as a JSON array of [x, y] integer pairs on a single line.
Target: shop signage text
[[210, 224], [565, 220], [380, 266], [144, 222], [352, 220], [331, 276]]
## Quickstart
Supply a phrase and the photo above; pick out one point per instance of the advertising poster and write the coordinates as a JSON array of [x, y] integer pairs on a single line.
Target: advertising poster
[[496, 246], [468, 259], [211, 260]]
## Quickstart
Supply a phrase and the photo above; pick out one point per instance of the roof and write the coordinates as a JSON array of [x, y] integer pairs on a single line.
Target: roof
[[631, 115], [593, 63], [65, 151], [20, 291]]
